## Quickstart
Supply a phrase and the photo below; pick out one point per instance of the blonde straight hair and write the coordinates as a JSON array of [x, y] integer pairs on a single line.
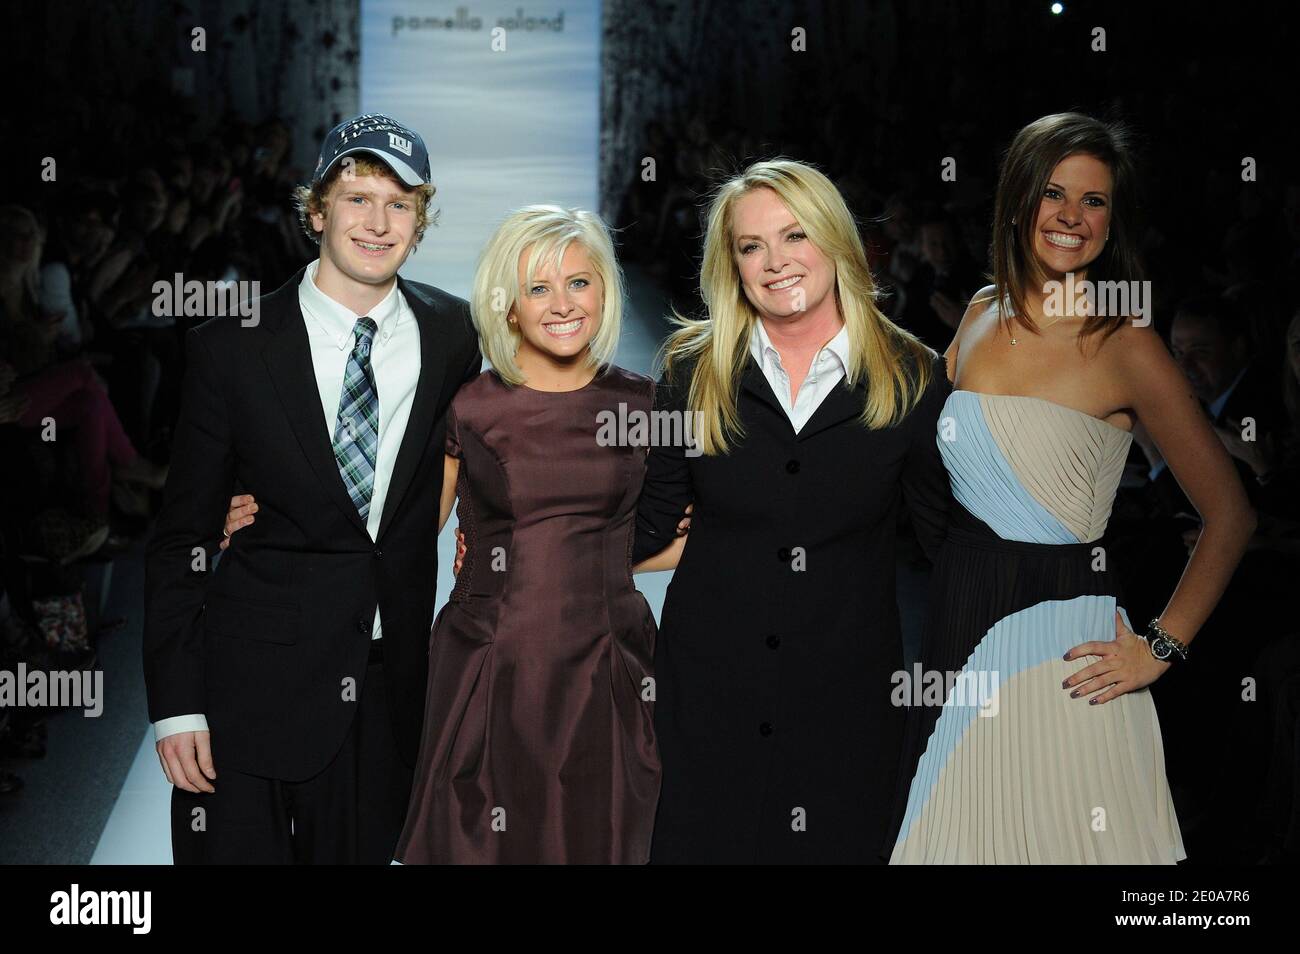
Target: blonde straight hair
[[895, 364], [543, 231]]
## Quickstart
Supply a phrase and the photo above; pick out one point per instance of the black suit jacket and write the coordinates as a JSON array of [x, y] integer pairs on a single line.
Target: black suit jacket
[[271, 644], [774, 677]]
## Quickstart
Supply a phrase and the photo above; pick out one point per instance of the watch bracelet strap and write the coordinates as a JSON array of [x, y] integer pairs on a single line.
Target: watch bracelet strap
[[1155, 629]]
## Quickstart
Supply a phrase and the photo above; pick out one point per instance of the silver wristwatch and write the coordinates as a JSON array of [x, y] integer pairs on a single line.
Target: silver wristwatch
[[1163, 646]]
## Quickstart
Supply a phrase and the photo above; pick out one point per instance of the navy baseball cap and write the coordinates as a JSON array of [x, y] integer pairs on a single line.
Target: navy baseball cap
[[397, 146]]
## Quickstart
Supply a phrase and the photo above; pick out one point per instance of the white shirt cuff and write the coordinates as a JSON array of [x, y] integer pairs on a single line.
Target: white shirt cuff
[[182, 723]]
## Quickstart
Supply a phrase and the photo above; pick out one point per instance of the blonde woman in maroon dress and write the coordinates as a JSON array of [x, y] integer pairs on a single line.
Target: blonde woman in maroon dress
[[539, 740]]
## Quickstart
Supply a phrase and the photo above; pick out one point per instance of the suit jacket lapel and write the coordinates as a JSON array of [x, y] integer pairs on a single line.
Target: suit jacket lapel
[[434, 351], [288, 360], [755, 382], [841, 404]]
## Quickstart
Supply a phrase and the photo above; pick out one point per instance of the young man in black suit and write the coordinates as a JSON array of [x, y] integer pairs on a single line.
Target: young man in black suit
[[287, 683]]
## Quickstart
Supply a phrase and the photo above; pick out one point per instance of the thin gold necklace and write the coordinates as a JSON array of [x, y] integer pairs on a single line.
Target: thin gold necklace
[[1015, 340]]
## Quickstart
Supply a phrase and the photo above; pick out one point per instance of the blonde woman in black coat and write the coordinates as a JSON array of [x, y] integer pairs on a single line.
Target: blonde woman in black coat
[[779, 645]]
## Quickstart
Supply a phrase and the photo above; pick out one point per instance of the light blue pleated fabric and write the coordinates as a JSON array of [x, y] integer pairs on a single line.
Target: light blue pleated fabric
[[983, 481]]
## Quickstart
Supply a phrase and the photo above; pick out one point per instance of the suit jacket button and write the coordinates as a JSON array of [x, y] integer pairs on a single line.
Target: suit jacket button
[[773, 641], [765, 729], [362, 625], [783, 554], [379, 554], [792, 467]]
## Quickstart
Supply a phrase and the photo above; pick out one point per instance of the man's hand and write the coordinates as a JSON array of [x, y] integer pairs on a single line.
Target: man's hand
[[186, 759], [684, 527], [240, 514]]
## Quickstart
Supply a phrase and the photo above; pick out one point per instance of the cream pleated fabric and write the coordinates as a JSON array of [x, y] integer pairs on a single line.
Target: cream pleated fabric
[[1032, 776]]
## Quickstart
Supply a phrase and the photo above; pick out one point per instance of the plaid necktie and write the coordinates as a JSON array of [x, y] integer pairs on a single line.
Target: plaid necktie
[[356, 434]]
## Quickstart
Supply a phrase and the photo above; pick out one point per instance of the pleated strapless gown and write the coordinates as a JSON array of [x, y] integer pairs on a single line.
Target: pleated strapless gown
[[1010, 769]]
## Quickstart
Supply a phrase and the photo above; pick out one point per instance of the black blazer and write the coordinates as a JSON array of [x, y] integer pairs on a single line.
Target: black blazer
[[271, 644], [773, 684]]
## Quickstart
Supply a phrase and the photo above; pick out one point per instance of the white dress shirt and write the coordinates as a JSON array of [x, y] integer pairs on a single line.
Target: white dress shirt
[[395, 364], [825, 373]]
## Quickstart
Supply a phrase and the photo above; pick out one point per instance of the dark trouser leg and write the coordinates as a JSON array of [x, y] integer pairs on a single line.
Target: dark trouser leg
[[353, 811], [245, 821]]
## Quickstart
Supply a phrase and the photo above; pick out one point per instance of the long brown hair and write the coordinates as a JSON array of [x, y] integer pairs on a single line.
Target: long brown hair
[[1026, 169]]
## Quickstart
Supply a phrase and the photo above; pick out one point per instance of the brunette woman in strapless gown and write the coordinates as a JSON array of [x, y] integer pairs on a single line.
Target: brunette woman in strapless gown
[[1047, 748]]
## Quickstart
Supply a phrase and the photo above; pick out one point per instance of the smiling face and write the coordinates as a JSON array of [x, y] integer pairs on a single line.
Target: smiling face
[[782, 272], [1073, 216], [367, 228], [559, 311]]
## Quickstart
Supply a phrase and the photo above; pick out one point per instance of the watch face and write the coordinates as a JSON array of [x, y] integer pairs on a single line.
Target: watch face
[[1161, 648]]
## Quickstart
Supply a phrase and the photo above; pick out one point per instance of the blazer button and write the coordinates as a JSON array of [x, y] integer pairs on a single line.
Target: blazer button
[[783, 554], [379, 554], [765, 729], [773, 641], [792, 466], [363, 625]]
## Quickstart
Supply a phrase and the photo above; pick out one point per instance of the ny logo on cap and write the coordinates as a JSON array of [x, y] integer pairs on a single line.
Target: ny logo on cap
[[401, 145]]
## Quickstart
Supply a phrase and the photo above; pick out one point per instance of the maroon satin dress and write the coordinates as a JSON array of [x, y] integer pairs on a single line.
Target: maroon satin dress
[[538, 739]]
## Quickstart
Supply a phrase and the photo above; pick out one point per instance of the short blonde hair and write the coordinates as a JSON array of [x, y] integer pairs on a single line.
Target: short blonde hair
[[544, 231], [310, 200]]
